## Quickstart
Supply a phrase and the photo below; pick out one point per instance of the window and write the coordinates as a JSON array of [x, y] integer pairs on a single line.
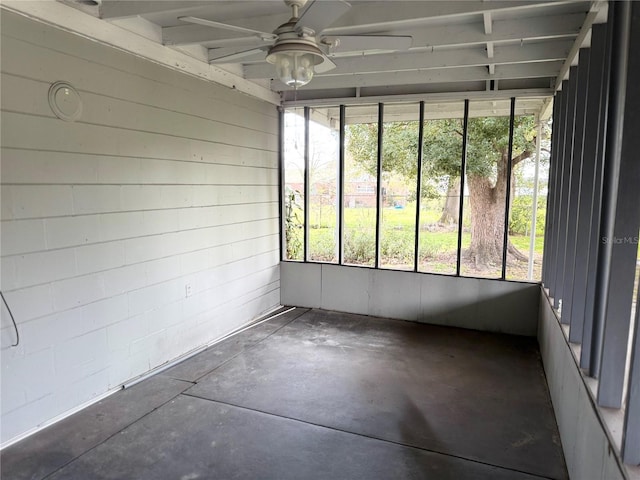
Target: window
[[417, 186], [324, 144], [441, 188], [360, 185], [293, 188]]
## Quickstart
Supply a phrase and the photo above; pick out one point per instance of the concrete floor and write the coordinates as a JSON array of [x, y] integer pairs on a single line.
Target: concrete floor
[[312, 394]]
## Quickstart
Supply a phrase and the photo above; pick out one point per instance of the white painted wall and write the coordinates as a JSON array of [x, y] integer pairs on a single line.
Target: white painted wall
[[479, 304], [166, 180], [588, 450]]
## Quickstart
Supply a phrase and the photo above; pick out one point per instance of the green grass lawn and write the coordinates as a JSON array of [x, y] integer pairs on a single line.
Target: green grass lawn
[[438, 243]]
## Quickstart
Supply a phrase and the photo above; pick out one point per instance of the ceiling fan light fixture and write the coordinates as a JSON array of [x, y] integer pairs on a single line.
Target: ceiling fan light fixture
[[295, 62]]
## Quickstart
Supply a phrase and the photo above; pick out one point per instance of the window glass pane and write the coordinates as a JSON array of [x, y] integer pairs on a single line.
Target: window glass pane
[[523, 184], [294, 183], [486, 181], [399, 184], [360, 185], [440, 192], [324, 144]]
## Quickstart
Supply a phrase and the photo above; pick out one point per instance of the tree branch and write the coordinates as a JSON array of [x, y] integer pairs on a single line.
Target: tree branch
[[523, 156]]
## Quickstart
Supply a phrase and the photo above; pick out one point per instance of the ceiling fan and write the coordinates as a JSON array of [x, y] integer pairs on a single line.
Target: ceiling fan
[[298, 48]]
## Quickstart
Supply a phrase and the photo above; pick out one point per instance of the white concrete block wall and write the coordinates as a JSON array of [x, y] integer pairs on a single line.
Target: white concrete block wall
[[588, 449], [164, 181], [474, 303]]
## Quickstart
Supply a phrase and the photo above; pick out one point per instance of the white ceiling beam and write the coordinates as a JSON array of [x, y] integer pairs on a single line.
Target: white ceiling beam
[[577, 44], [221, 56], [463, 74], [374, 16], [488, 30], [434, 36], [536, 52], [115, 9], [361, 15], [410, 111], [488, 24], [537, 28], [140, 26], [585, 30], [428, 98], [96, 30], [491, 51]]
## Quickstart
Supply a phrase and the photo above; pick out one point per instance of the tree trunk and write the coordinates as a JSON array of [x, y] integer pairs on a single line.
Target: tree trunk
[[451, 210], [487, 222], [487, 203]]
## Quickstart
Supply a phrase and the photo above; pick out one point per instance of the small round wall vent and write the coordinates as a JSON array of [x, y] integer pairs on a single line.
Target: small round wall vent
[[65, 101]]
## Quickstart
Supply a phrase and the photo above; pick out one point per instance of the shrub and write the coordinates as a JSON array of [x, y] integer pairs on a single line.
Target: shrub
[[520, 221]]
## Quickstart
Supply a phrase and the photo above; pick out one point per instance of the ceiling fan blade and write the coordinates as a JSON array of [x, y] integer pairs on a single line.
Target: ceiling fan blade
[[232, 57], [322, 13], [361, 43], [325, 66], [238, 43], [226, 26]]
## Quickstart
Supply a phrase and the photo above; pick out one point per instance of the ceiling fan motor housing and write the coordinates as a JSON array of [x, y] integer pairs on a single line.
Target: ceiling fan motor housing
[[295, 53]]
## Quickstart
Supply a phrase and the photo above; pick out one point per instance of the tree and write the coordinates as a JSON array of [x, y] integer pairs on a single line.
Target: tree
[[487, 162], [487, 170]]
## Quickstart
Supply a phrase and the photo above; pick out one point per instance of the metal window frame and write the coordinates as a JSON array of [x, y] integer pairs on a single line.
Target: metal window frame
[[282, 227], [551, 190], [305, 187], [379, 183], [416, 251], [463, 174], [507, 199], [340, 192]]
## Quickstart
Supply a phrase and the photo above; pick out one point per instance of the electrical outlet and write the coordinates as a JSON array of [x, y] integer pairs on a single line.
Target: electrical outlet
[[188, 290]]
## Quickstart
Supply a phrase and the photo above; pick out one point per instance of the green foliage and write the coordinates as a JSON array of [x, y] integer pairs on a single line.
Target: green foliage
[[488, 142], [359, 246], [293, 224], [437, 248], [520, 222], [322, 244]]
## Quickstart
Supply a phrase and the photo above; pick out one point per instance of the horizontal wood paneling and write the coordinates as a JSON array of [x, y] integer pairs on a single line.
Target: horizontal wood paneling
[[164, 181]]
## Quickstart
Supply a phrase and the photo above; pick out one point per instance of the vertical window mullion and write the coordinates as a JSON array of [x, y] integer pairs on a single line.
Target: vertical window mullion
[[505, 240], [379, 184], [534, 200], [463, 168], [548, 224], [419, 187], [340, 194], [281, 182], [305, 256]]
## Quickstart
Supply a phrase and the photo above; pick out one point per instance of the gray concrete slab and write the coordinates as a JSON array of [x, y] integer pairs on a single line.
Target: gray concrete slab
[[57, 445], [191, 438], [316, 395], [464, 393], [199, 365]]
